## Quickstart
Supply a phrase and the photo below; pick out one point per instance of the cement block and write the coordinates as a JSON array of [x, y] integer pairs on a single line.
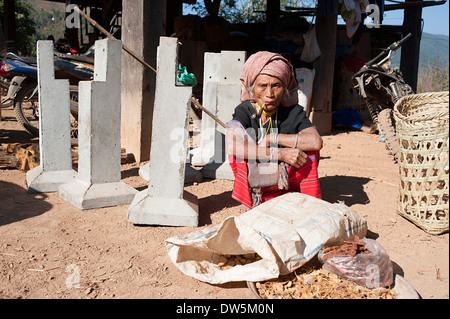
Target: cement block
[[40, 181], [98, 182], [162, 203], [84, 195], [55, 166], [178, 212]]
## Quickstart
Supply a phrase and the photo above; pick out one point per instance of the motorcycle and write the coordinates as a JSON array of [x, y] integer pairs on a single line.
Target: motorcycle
[[381, 87], [14, 70], [23, 91]]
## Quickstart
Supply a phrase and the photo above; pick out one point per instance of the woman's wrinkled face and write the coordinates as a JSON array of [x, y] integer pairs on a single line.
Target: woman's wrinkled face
[[268, 90]]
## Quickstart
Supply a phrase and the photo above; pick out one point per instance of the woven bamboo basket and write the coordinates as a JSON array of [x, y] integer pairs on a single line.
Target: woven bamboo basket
[[422, 122]]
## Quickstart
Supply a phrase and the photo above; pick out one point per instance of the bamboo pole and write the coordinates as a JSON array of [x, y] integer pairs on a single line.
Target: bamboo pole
[[145, 64]]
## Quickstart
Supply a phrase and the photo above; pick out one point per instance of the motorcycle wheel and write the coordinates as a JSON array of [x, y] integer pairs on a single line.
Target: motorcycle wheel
[[4, 87], [26, 108], [386, 126]]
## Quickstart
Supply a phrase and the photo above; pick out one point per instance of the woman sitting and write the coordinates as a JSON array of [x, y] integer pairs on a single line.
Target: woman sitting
[[273, 148]]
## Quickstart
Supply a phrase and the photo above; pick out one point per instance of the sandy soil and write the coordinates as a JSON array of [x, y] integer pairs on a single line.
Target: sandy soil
[[45, 241]]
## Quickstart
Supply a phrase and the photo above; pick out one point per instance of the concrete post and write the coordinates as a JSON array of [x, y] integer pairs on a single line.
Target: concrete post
[[54, 127], [164, 201], [98, 183], [228, 96], [203, 154], [191, 175]]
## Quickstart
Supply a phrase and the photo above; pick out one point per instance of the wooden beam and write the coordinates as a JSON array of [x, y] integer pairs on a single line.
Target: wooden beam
[[143, 23], [174, 9], [409, 63], [9, 27], [273, 10], [321, 102], [88, 3], [409, 4]]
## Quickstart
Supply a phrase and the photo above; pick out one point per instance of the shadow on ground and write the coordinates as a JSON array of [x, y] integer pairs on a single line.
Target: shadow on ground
[[346, 189], [17, 204]]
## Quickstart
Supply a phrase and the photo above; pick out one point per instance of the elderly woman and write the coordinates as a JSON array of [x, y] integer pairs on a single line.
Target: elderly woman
[[272, 146]]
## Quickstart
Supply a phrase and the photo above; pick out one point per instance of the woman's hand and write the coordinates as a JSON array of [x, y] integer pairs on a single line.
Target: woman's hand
[[292, 156], [266, 140]]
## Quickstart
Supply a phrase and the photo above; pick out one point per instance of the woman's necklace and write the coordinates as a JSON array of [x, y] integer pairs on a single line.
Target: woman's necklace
[[269, 114]]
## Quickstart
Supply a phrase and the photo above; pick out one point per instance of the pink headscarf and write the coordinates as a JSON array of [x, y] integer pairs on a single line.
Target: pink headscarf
[[272, 64]]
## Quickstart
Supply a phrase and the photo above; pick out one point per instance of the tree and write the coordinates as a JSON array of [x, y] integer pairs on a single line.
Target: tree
[[25, 27]]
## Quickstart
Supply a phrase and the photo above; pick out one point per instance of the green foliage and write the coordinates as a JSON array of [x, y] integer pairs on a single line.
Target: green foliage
[[25, 27], [34, 25]]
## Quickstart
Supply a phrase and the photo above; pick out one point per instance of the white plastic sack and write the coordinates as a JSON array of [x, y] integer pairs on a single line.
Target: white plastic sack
[[311, 50], [305, 78], [286, 232]]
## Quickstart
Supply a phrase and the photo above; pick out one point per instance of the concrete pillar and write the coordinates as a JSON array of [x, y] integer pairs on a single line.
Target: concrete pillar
[[98, 183], [203, 154], [191, 175], [164, 201], [228, 96], [54, 127], [142, 25]]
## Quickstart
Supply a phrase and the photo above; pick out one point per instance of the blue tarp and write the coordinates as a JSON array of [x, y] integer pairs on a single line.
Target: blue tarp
[[349, 117]]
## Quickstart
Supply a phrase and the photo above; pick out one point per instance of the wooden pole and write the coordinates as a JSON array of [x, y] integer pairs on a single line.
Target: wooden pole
[[321, 102], [9, 8], [408, 4], [409, 63], [145, 64], [198, 105], [109, 35]]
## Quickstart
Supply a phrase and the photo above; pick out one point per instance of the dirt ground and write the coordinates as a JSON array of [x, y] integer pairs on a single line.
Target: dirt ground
[[45, 242]]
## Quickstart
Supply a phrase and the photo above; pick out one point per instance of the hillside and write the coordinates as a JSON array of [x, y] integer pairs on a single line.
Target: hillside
[[432, 47], [46, 5], [49, 18]]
